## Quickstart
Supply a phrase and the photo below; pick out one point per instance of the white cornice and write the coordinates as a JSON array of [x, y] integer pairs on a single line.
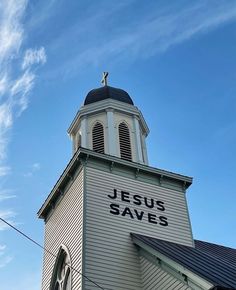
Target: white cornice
[[85, 154], [108, 104]]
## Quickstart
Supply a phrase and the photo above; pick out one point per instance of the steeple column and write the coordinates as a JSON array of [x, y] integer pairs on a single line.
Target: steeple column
[[112, 146], [145, 156], [138, 140], [83, 130]]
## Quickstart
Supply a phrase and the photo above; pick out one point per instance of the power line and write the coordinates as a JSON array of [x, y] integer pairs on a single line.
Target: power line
[[49, 252]]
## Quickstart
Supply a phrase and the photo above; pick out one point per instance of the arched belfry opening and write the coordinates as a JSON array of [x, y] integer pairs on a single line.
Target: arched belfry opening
[[61, 277], [98, 138], [124, 142]]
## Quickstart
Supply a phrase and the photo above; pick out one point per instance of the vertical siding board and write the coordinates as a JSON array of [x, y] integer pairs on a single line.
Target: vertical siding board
[[65, 227], [109, 251]]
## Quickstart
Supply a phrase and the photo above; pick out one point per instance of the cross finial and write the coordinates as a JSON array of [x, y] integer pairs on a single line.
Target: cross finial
[[104, 78]]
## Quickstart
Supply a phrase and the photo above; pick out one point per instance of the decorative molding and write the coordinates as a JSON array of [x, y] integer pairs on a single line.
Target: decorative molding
[[107, 105], [161, 179], [112, 166], [137, 173], [81, 157]]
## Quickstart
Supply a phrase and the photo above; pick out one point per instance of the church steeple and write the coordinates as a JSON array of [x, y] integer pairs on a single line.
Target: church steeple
[[109, 123], [99, 200]]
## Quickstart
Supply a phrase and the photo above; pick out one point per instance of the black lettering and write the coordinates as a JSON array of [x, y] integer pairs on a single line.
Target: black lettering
[[125, 196], [160, 205], [114, 196], [152, 218], [137, 198], [127, 211], [149, 205], [163, 221], [114, 209], [139, 215]]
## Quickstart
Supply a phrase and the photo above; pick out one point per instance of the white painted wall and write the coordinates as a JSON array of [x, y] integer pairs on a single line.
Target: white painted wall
[[111, 259], [65, 226]]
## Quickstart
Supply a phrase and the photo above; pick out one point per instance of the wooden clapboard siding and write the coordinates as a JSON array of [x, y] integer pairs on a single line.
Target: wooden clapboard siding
[[65, 226], [153, 278], [111, 259]]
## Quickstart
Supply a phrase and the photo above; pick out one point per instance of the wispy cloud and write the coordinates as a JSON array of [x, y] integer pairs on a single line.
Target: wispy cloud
[[2, 247], [7, 215], [5, 124], [46, 11], [36, 166], [33, 168], [3, 84], [33, 56], [17, 79], [6, 194], [4, 259], [4, 170], [11, 30], [14, 90], [147, 33]]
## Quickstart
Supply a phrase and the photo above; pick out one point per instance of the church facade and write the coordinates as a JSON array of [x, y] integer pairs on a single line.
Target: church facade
[[113, 222]]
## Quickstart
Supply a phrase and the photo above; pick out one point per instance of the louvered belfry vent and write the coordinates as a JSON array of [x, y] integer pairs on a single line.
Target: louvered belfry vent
[[98, 138], [125, 145]]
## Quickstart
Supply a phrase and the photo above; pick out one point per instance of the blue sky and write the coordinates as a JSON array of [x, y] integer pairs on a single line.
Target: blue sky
[[175, 58]]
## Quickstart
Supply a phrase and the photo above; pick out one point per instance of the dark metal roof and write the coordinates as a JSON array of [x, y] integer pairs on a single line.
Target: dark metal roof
[[107, 92], [215, 263], [228, 255]]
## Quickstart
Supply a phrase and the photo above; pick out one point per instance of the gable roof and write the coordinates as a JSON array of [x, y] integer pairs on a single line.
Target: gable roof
[[215, 263]]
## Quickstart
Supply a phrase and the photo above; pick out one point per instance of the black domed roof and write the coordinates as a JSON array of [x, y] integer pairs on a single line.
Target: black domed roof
[[107, 92]]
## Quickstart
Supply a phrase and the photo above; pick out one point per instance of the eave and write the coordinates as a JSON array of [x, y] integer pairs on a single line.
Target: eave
[[82, 156], [104, 105], [176, 270]]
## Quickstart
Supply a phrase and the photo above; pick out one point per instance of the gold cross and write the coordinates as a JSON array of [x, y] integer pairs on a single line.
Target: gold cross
[[104, 78]]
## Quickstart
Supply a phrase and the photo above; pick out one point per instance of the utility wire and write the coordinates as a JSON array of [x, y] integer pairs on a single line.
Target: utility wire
[[49, 252]]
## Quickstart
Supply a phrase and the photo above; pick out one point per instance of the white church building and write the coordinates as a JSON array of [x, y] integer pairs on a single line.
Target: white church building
[[113, 222]]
